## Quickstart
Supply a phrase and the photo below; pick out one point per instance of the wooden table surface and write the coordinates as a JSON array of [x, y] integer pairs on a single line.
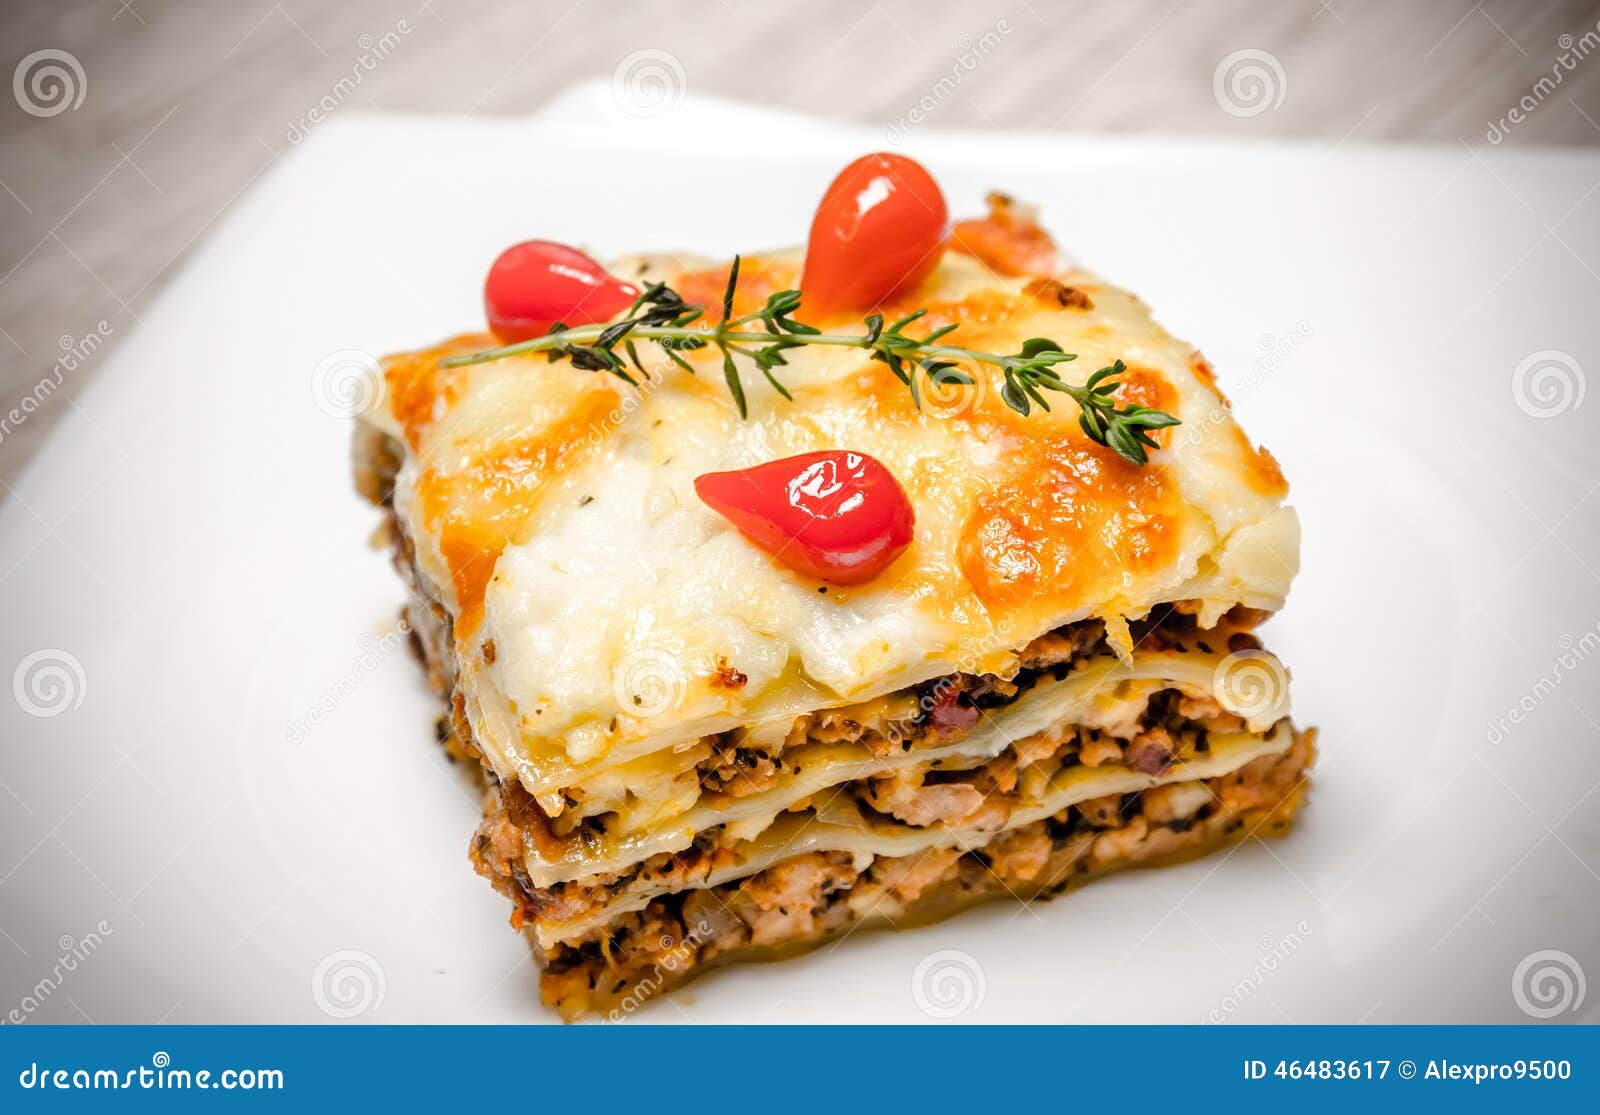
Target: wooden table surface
[[135, 123]]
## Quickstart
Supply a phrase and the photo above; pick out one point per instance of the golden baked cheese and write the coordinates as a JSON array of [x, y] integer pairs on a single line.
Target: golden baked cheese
[[604, 614]]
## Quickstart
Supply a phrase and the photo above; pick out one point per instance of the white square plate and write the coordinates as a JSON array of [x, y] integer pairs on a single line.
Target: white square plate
[[219, 766]]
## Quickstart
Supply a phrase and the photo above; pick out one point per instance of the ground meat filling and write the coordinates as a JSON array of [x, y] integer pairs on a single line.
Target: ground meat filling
[[804, 899], [937, 712], [737, 771], [1173, 728]]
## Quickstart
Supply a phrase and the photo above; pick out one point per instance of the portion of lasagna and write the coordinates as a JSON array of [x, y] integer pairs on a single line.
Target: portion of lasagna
[[695, 753]]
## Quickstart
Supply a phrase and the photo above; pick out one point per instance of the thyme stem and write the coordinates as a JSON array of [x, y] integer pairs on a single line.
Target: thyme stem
[[583, 334], [660, 314]]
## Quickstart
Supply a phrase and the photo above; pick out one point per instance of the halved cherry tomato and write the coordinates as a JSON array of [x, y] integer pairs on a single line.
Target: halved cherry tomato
[[536, 283], [881, 227], [836, 516]]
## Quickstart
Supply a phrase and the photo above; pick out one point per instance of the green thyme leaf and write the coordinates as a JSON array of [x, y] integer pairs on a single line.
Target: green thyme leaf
[[661, 315]]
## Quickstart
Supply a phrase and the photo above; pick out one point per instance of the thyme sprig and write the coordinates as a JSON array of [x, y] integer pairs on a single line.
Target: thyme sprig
[[660, 314]]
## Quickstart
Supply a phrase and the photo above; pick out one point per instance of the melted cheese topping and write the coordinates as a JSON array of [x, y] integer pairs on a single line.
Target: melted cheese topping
[[601, 610]]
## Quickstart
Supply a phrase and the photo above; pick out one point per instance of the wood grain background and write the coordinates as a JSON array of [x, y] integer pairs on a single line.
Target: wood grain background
[[184, 104]]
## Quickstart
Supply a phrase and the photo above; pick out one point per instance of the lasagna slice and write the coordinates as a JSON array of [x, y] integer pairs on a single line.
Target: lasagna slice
[[694, 753]]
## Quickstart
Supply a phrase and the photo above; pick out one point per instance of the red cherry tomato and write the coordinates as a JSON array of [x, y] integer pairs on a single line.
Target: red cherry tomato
[[836, 516], [881, 227], [537, 283]]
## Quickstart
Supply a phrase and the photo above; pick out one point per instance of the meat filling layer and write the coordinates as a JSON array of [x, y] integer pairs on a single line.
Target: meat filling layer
[[1173, 729], [805, 899]]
